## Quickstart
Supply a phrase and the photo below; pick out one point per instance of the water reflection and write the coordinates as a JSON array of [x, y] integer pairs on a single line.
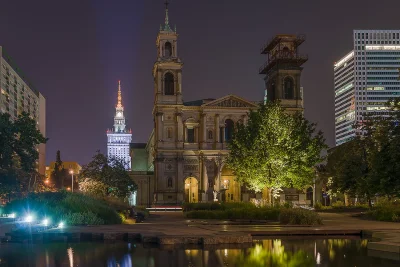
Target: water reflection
[[268, 252]]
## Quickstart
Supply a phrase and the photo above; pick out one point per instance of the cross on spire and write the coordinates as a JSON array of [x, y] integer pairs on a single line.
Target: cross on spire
[[166, 26]]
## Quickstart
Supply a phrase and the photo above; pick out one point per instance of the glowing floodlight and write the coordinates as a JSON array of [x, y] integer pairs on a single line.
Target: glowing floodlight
[[61, 225], [46, 222], [29, 218], [12, 215]]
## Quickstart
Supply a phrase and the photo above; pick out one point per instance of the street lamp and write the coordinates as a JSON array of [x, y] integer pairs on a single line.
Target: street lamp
[[72, 173]]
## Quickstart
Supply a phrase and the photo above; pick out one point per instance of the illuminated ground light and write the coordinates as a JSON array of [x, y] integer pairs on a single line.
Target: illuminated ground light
[[29, 218], [46, 222], [61, 225]]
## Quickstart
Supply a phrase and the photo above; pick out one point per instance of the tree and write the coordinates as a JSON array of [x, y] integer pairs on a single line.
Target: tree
[[59, 174], [369, 164], [349, 165], [106, 177], [275, 149], [18, 155]]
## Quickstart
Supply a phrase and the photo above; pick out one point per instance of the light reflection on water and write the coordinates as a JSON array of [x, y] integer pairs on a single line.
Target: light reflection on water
[[267, 252]]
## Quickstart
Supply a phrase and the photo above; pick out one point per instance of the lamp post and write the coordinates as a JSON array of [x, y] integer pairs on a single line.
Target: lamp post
[[72, 173]]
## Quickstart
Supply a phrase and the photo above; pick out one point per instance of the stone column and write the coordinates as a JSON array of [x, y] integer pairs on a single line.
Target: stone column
[[196, 134], [180, 137], [204, 132], [218, 162], [159, 82], [159, 133], [216, 130], [223, 134], [180, 178]]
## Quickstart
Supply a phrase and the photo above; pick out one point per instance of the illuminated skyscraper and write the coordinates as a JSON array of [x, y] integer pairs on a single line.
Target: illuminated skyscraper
[[118, 139], [365, 79]]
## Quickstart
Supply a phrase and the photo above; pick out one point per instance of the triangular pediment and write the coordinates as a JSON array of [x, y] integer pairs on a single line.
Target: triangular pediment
[[230, 101]]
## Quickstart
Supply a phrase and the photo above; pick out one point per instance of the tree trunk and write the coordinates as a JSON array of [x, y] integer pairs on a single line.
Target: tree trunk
[[369, 202]]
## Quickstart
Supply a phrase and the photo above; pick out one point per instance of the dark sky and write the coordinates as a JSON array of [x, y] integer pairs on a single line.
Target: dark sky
[[75, 51]]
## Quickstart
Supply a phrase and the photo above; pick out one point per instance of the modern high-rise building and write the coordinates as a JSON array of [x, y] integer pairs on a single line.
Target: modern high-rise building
[[365, 79], [119, 138], [18, 95]]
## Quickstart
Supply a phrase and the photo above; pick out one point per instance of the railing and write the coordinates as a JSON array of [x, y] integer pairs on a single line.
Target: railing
[[272, 60]]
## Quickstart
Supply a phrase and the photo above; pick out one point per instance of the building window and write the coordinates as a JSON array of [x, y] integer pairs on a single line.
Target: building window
[[168, 49], [169, 182], [229, 127], [169, 84], [288, 88], [190, 135], [210, 134]]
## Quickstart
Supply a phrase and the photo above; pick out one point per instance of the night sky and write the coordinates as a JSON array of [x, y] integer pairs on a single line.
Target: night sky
[[75, 51]]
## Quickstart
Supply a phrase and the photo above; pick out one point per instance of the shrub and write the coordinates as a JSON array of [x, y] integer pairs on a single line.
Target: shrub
[[216, 206], [281, 214], [74, 208], [338, 205], [299, 217], [385, 211], [318, 206], [82, 218], [143, 211], [236, 214]]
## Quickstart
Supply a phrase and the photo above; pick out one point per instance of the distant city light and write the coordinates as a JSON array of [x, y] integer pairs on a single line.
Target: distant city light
[[61, 225], [12, 215], [45, 222]]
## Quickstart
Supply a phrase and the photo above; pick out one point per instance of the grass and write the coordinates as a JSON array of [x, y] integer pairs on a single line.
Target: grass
[[248, 211], [70, 208]]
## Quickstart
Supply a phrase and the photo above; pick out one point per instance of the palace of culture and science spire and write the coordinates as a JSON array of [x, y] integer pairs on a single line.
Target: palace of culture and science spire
[[118, 139]]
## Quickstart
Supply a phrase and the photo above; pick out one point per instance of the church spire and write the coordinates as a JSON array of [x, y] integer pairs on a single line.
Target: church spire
[[166, 26], [119, 104]]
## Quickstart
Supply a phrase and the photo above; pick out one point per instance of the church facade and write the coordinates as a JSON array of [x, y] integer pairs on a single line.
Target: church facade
[[184, 158]]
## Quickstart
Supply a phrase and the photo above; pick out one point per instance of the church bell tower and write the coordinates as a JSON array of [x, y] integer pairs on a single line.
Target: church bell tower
[[167, 70], [283, 71]]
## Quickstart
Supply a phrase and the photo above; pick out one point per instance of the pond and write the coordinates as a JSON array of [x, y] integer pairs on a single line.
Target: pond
[[263, 252]]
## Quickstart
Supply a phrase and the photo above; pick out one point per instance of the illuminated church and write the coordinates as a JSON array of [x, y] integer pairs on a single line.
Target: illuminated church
[[184, 158], [119, 138]]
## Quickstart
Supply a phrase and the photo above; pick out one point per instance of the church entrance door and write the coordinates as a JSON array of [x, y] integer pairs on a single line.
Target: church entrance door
[[191, 190]]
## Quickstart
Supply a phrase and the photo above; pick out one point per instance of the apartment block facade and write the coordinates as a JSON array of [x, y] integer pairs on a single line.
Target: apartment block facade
[[18, 95]]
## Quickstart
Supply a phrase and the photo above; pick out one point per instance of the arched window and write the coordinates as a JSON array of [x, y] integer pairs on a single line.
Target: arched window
[[288, 88], [210, 134], [169, 133], [169, 182], [285, 52], [168, 49], [169, 88], [229, 127]]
